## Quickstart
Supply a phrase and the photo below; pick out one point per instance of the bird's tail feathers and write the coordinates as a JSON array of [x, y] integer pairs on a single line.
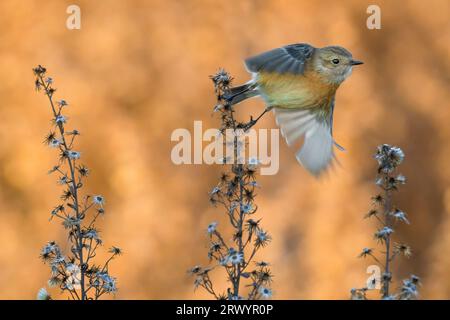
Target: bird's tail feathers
[[240, 93], [244, 96]]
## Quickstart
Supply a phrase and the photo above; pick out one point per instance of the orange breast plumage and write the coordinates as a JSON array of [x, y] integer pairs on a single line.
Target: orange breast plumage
[[307, 91]]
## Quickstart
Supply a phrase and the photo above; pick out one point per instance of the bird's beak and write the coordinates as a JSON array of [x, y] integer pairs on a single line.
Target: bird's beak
[[355, 62]]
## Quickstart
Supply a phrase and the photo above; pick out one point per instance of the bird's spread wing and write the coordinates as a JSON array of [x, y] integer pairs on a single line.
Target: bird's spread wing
[[288, 59], [341, 148], [317, 152]]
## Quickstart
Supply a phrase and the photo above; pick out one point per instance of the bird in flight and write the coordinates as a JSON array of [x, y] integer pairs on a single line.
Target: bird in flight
[[299, 82]]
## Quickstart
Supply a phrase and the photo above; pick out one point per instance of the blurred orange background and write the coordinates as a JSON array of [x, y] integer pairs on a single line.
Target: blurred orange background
[[137, 70]]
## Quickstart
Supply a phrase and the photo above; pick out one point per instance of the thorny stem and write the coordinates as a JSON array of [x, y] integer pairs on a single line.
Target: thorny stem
[[388, 158], [239, 169], [79, 238], [387, 223], [249, 259], [235, 192], [73, 273]]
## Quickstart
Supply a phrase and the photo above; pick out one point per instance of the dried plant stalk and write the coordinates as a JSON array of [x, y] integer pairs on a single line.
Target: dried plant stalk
[[74, 273]]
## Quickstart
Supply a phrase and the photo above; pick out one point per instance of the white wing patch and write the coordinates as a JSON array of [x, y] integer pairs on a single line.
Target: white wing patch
[[317, 151]]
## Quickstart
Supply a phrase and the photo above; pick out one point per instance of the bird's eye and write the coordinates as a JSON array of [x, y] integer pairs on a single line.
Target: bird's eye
[[335, 61]]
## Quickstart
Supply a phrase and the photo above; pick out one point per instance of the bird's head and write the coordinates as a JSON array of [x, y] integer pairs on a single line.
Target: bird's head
[[334, 63]]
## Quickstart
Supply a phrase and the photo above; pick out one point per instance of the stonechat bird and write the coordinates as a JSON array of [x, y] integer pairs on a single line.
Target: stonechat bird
[[299, 82]]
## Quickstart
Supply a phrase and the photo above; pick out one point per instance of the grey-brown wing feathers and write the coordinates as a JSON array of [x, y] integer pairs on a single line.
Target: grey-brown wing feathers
[[289, 59]]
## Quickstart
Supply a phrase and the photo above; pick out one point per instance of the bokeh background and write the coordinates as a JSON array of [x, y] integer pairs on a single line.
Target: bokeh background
[[137, 70]]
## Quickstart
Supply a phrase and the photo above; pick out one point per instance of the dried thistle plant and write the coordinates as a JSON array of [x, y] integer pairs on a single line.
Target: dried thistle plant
[[74, 273], [235, 192], [388, 215]]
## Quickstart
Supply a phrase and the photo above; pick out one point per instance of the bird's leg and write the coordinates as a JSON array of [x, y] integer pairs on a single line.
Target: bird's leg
[[252, 122]]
